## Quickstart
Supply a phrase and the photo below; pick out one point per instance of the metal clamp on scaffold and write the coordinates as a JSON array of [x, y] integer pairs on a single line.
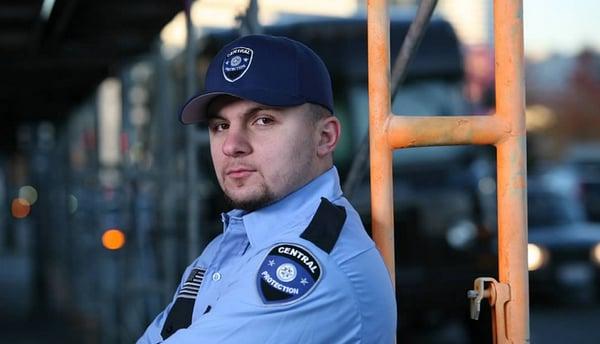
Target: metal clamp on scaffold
[[498, 294]]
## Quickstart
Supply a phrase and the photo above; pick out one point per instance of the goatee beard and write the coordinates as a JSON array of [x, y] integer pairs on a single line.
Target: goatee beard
[[250, 205]]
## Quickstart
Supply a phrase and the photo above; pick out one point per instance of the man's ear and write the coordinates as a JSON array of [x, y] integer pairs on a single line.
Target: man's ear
[[329, 131]]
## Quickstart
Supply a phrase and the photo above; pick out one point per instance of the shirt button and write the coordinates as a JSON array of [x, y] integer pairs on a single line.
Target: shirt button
[[216, 276]]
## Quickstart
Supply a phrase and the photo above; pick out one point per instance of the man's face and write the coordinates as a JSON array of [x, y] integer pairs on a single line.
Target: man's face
[[261, 153]]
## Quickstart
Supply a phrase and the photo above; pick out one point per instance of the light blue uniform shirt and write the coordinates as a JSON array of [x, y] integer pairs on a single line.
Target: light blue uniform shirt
[[236, 282]]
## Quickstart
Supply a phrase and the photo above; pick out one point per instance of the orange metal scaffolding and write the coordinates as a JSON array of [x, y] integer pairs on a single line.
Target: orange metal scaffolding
[[505, 130]]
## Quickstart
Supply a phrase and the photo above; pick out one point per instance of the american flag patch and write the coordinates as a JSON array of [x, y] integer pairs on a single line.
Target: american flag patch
[[189, 289]]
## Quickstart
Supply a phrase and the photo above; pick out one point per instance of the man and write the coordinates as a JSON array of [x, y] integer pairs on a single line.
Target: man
[[294, 263]]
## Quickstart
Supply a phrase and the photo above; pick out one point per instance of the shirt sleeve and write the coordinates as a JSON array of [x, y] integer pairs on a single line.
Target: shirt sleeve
[[152, 334]]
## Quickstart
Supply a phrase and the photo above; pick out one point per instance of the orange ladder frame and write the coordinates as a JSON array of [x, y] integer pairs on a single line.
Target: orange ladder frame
[[505, 130]]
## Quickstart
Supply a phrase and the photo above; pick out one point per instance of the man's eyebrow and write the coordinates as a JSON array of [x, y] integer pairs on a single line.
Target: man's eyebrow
[[213, 116], [255, 109], [249, 112]]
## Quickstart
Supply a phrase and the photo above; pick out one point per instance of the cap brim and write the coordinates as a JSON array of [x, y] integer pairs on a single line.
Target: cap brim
[[194, 111]]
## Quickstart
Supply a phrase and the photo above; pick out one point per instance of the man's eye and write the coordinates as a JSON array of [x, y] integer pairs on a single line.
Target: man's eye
[[219, 126], [263, 121]]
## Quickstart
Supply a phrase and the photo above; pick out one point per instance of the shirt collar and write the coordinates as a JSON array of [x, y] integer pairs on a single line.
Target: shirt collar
[[265, 225]]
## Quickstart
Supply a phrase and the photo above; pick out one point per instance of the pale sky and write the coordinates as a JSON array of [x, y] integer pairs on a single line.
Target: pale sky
[[561, 26]]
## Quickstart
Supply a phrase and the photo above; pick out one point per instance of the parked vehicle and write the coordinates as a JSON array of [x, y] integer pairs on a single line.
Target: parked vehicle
[[564, 248], [585, 160]]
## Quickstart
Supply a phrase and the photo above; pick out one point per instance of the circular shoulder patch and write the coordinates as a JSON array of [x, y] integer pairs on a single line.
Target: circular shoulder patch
[[288, 273], [236, 63]]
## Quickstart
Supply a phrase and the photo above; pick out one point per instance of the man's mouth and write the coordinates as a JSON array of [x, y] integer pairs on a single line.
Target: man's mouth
[[239, 172]]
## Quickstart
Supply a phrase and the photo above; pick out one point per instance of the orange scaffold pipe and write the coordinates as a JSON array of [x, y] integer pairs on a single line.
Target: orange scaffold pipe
[[505, 130]]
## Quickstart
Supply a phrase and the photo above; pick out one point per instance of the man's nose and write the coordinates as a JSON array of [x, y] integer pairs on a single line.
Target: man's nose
[[236, 143]]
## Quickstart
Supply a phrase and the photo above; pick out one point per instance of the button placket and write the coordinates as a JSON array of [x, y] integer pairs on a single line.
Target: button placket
[[233, 246]]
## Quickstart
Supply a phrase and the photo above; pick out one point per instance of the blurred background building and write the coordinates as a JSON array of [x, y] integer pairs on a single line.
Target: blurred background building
[[105, 198]]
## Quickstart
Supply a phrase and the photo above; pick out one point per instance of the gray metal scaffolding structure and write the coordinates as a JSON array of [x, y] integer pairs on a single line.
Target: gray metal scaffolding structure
[[170, 186], [194, 206]]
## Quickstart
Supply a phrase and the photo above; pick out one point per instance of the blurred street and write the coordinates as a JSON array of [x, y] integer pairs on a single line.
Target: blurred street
[[549, 325], [570, 324]]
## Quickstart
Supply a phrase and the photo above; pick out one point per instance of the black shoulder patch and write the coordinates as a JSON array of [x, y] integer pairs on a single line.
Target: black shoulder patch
[[325, 227]]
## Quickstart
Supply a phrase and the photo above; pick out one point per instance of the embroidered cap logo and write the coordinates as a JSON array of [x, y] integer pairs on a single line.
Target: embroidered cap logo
[[236, 63]]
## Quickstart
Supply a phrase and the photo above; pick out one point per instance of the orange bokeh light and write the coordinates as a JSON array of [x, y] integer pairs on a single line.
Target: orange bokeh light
[[20, 208], [113, 239]]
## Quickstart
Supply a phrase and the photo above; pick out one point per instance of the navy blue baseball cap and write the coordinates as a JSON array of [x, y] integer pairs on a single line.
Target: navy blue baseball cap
[[270, 70]]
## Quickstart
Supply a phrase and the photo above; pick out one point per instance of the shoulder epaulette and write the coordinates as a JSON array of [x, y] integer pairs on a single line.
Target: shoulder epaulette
[[325, 227]]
